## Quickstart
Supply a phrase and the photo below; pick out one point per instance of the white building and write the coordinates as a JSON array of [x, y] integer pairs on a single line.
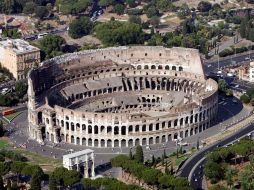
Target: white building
[[82, 161], [251, 72]]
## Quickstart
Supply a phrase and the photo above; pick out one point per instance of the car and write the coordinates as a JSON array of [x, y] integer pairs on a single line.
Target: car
[[195, 179], [246, 58]]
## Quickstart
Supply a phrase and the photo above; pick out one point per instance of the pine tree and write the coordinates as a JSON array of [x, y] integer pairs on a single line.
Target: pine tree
[[166, 169], [130, 155], [153, 160], [197, 144], [164, 153], [36, 183], [171, 169], [1, 183], [52, 183], [139, 156], [8, 186], [162, 160], [177, 153], [242, 29]]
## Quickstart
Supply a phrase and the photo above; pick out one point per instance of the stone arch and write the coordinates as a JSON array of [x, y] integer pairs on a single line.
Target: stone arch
[[72, 139], [169, 137], [174, 68], [151, 127], [166, 67], [109, 129], [175, 136], [123, 143], [96, 142], [139, 67], [90, 129], [84, 141], [144, 141], [78, 140], [137, 128], [116, 143], [123, 130], [116, 130], [109, 143], [150, 140], [163, 138], [143, 128], [153, 67], [130, 129], [146, 67], [103, 143], [67, 138], [137, 142], [96, 130], [130, 143], [186, 133], [180, 68], [157, 140], [90, 142]]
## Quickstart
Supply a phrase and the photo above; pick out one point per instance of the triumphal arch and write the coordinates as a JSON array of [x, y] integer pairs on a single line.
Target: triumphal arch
[[82, 161]]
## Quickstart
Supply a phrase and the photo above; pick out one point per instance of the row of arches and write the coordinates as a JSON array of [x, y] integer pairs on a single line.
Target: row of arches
[[101, 142], [160, 67]]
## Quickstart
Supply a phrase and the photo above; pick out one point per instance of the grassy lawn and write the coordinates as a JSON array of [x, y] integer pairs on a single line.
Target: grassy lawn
[[47, 163], [4, 143], [4, 122], [12, 116]]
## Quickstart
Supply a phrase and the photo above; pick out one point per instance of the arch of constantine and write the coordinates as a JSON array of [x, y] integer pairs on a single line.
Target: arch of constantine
[[121, 97]]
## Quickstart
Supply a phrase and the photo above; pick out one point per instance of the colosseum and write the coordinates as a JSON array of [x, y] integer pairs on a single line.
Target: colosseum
[[121, 97]]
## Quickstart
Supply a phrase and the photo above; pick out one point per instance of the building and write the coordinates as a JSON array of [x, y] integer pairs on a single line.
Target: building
[[18, 56], [121, 97], [251, 72], [82, 161]]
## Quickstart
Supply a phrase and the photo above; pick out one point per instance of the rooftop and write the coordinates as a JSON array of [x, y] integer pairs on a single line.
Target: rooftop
[[76, 154], [19, 46]]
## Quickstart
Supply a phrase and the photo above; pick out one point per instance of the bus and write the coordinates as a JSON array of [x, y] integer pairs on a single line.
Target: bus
[[8, 111]]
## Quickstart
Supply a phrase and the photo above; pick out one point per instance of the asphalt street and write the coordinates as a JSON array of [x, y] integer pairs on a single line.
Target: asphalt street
[[196, 178]]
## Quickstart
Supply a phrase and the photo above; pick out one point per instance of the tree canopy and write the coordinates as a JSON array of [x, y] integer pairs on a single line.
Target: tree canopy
[[119, 33], [80, 27]]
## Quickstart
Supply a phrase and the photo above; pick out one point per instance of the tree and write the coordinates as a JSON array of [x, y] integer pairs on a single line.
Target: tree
[[80, 27], [242, 29], [151, 176], [213, 170], [51, 45], [135, 19], [52, 183], [41, 12], [155, 21], [152, 11], [167, 169], [130, 155], [245, 98], [204, 6], [1, 129], [105, 3], [230, 173], [131, 3], [222, 85], [119, 9], [33, 170], [36, 182], [119, 33], [17, 167], [29, 8], [20, 88], [1, 183], [139, 156]]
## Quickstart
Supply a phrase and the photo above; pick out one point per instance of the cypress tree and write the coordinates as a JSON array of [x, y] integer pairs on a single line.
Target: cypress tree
[[36, 183], [1, 183], [153, 160], [52, 183], [242, 29], [130, 155], [139, 156], [166, 169]]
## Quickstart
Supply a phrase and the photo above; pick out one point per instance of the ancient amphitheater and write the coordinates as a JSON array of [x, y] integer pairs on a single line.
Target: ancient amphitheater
[[121, 97]]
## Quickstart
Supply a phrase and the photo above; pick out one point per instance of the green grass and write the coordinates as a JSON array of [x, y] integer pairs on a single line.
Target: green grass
[[179, 160], [47, 163], [4, 144], [12, 116]]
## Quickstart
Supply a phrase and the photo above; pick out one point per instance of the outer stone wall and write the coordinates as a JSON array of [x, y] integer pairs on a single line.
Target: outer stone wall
[[121, 97]]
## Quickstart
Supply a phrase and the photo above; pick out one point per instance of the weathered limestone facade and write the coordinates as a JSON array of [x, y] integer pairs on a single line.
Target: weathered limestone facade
[[121, 97]]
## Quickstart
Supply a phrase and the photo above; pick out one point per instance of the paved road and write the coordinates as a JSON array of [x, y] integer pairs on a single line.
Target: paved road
[[212, 66], [196, 181]]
